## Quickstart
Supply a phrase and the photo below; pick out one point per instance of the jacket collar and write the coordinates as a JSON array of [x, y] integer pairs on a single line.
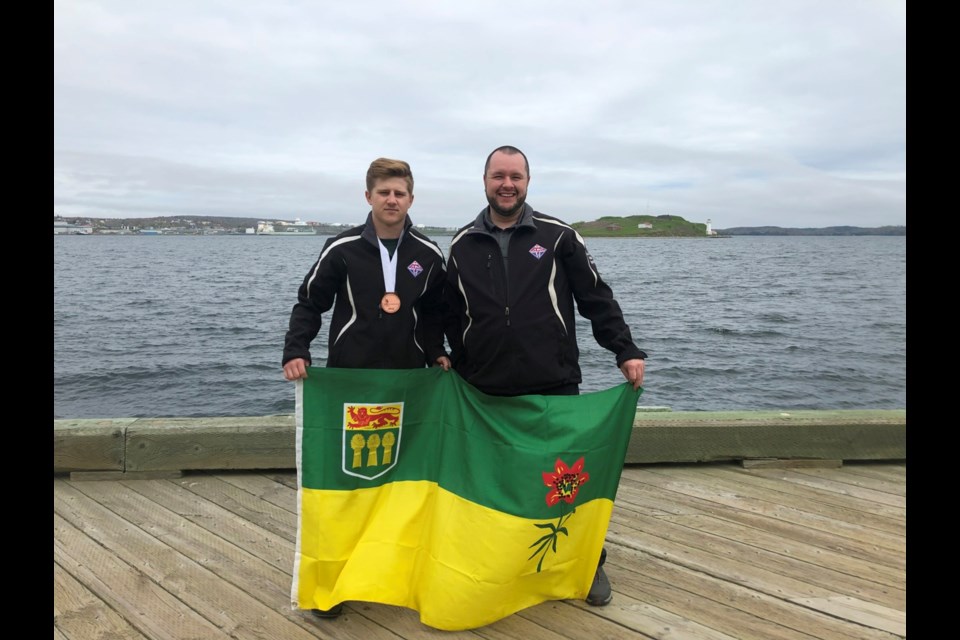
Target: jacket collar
[[369, 232], [485, 224]]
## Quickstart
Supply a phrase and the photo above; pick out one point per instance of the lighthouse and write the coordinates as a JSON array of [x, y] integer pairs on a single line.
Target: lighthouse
[[709, 231]]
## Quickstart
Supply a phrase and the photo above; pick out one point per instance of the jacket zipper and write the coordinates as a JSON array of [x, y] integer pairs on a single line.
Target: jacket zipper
[[506, 289]]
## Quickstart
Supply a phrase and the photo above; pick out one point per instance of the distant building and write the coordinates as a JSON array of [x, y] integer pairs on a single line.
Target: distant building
[[283, 228], [710, 231], [65, 228], [645, 225]]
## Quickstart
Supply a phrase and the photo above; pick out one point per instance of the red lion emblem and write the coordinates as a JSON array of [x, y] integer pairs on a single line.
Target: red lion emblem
[[376, 417]]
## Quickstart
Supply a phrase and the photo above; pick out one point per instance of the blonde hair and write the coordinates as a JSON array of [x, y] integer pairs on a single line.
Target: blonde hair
[[387, 168]]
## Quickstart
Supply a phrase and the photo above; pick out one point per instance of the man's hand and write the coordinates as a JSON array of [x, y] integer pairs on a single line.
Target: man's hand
[[633, 371], [295, 369], [444, 362]]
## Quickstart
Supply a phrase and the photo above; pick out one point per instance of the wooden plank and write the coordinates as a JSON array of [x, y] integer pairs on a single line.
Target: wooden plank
[[705, 436], [286, 478], [748, 498], [266, 442], [407, 623], [625, 570], [630, 568], [265, 488], [828, 559], [893, 486], [751, 575], [162, 514], [123, 475], [758, 579], [79, 614], [829, 488], [660, 527], [798, 495], [711, 443], [269, 582], [789, 463], [88, 445], [229, 608], [691, 555], [806, 417], [892, 471], [243, 504], [153, 610], [265, 545], [803, 576], [734, 502], [866, 613], [568, 619], [643, 500]]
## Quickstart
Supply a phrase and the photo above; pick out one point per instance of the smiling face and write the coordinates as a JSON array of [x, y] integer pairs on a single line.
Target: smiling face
[[389, 201], [505, 182]]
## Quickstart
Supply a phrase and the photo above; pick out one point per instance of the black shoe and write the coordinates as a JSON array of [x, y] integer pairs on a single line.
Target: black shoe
[[600, 594], [329, 613]]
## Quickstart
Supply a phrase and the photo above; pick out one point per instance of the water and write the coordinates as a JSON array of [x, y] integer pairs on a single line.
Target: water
[[191, 326]]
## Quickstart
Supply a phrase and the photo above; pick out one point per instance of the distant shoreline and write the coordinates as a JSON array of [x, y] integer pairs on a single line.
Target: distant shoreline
[[813, 231], [449, 234], [645, 226]]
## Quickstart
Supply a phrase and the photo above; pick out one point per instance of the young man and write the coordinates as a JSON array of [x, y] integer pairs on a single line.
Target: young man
[[384, 281], [514, 276]]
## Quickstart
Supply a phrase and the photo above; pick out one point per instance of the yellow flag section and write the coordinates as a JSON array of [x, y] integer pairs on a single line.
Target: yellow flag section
[[417, 490]]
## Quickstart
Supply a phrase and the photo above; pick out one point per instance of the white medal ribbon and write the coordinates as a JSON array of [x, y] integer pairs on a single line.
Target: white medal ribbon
[[389, 266]]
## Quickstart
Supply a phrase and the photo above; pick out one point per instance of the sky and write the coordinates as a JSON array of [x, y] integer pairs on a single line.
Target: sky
[[787, 113]]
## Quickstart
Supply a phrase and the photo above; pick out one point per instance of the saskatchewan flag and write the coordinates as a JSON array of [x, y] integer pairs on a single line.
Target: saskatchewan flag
[[417, 490]]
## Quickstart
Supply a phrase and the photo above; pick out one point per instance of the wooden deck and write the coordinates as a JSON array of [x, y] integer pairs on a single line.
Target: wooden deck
[[711, 551]]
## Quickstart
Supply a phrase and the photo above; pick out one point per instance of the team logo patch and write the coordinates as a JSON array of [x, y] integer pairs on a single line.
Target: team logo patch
[[537, 251], [371, 438], [415, 268]]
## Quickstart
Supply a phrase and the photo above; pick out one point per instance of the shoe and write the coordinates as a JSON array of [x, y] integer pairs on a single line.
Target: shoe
[[600, 594], [333, 612]]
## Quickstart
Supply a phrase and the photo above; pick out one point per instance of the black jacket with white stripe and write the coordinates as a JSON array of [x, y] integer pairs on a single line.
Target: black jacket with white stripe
[[348, 277], [515, 335]]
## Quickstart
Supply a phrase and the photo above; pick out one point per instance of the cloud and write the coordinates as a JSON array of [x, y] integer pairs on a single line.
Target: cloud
[[749, 113]]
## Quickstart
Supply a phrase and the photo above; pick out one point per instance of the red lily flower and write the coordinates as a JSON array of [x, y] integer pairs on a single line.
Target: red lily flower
[[564, 481]]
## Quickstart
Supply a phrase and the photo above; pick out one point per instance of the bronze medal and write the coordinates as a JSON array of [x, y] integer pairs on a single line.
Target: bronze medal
[[390, 302]]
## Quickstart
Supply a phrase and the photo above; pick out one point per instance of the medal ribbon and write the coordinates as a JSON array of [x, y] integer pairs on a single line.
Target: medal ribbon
[[389, 265]]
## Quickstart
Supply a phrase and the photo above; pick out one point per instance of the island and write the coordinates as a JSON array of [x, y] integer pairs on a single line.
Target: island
[[643, 226]]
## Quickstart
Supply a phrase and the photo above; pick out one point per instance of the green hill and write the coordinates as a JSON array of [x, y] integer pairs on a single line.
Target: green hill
[[636, 227]]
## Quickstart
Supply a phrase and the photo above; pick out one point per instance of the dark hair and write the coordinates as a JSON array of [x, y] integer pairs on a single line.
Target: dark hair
[[507, 149], [387, 168]]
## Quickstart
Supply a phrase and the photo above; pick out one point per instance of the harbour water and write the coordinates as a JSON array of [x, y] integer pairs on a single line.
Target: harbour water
[[192, 326]]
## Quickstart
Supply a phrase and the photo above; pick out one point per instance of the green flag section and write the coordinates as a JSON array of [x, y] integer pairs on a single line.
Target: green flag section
[[417, 490]]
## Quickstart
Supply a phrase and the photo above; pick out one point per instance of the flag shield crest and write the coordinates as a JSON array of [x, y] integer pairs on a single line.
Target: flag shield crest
[[371, 438]]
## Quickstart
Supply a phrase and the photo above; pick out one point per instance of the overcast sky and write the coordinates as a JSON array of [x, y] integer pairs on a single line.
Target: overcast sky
[[744, 112]]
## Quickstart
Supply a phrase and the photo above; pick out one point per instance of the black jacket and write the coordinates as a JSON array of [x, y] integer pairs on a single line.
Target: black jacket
[[517, 335], [348, 276]]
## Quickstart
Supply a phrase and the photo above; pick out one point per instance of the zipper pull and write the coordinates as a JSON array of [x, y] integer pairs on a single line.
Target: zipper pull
[[508, 315]]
